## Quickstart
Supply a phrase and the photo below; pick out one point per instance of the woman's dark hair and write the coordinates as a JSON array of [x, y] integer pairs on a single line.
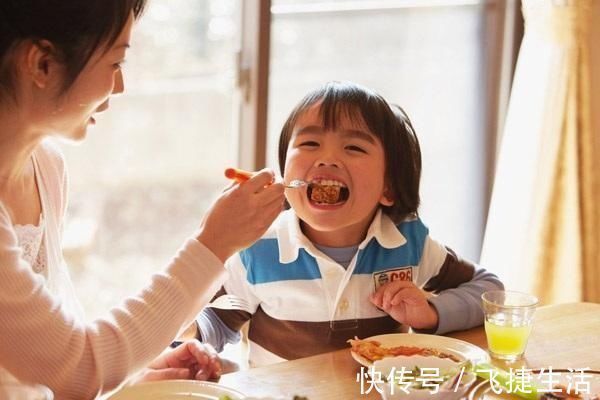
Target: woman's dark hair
[[387, 122], [75, 28]]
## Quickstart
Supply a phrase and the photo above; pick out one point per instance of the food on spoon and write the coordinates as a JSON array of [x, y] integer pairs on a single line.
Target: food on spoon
[[372, 350], [327, 192]]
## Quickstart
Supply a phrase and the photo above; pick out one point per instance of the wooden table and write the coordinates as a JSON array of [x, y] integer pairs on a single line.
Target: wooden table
[[563, 336]]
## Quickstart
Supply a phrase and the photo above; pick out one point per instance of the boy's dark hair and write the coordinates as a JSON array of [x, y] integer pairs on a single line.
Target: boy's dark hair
[[387, 122], [76, 28]]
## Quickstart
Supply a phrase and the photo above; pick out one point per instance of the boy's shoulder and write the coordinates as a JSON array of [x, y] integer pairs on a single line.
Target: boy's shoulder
[[396, 234], [412, 224]]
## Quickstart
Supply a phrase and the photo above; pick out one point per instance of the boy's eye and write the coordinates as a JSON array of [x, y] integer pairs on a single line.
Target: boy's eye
[[309, 143], [355, 148]]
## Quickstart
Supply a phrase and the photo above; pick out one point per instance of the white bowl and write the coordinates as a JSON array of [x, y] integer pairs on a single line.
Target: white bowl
[[390, 367], [428, 394], [176, 390], [385, 366]]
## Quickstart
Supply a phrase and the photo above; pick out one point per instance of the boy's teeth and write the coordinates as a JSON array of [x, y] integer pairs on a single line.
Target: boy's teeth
[[329, 182]]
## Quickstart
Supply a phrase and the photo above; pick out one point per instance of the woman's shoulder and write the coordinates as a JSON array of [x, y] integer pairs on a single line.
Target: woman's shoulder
[[49, 154], [7, 234], [52, 173]]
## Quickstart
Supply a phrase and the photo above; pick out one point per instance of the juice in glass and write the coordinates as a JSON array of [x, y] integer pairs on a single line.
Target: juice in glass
[[506, 338], [508, 320]]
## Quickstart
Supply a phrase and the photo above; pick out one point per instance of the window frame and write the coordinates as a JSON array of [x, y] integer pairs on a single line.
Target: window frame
[[253, 83], [504, 30]]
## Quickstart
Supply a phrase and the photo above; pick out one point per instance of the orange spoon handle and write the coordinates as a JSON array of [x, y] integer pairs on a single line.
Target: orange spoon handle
[[238, 175]]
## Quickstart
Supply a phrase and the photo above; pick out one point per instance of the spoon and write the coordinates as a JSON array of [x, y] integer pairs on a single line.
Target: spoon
[[297, 183], [240, 176]]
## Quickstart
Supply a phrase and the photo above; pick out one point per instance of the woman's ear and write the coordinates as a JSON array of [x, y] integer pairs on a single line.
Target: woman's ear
[[41, 63], [387, 199]]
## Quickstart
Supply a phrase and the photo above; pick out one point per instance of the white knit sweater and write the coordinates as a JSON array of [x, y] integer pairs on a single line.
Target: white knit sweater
[[43, 341]]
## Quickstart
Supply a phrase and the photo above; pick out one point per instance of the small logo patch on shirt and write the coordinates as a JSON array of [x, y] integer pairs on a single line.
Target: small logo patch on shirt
[[393, 274]]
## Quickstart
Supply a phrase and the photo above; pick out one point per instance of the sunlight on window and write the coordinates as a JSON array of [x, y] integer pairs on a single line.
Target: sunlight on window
[[154, 162], [429, 60]]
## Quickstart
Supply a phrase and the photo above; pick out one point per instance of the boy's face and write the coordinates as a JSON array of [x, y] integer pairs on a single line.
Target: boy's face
[[348, 164]]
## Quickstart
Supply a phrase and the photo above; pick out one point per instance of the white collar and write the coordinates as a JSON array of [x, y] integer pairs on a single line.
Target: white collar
[[291, 239]]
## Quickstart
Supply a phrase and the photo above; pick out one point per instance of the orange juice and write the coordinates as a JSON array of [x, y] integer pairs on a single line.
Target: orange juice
[[507, 335]]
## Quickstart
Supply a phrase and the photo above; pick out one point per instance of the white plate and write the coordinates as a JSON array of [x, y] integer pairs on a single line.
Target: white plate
[[176, 390], [483, 391], [463, 350]]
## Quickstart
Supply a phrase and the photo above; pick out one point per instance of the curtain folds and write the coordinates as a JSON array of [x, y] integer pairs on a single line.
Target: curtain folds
[[542, 234]]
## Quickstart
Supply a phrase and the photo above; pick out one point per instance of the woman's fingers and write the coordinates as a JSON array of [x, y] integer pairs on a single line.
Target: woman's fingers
[[259, 181], [211, 371], [208, 363], [241, 215], [164, 374]]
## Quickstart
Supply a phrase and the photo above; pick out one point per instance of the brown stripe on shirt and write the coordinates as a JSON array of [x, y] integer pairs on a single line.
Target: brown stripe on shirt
[[453, 272], [297, 339], [234, 319]]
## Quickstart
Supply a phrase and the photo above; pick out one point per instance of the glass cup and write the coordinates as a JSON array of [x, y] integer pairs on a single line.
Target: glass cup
[[22, 391], [508, 320]]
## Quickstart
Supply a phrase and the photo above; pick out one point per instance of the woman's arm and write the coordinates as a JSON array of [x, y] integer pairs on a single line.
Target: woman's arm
[[41, 343]]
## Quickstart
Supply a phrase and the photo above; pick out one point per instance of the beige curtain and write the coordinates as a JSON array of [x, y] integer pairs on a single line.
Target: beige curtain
[[542, 234]]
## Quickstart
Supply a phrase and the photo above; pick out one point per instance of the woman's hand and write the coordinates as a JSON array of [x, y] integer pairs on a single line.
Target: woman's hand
[[189, 360], [407, 304], [241, 214]]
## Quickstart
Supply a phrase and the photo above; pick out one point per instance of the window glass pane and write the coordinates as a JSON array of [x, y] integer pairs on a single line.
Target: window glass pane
[[143, 177], [429, 60]]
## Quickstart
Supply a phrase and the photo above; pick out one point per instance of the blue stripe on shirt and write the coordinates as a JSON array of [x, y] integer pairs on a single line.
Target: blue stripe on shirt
[[269, 269], [374, 258]]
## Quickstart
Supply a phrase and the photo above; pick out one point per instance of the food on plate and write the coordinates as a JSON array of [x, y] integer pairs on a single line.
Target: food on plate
[[372, 350]]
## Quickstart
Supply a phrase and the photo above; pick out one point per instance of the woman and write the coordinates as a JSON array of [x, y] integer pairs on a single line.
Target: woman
[[59, 65]]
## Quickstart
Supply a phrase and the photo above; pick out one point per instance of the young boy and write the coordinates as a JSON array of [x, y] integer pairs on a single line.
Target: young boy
[[351, 258]]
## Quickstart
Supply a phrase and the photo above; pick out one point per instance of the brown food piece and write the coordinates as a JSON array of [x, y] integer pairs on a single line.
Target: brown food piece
[[325, 193], [372, 350]]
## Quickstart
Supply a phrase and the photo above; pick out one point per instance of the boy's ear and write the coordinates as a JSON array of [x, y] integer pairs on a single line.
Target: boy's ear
[[41, 63], [386, 198]]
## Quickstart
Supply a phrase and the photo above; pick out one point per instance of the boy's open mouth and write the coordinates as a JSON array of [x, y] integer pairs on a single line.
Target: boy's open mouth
[[327, 192]]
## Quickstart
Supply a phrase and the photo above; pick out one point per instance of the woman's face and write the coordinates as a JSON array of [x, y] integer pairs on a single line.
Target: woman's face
[[101, 78]]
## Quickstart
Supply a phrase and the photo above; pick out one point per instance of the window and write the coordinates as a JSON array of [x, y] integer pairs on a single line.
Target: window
[[430, 57], [154, 162], [144, 176]]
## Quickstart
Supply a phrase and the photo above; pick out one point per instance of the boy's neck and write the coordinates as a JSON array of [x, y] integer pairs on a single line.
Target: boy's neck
[[344, 237]]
